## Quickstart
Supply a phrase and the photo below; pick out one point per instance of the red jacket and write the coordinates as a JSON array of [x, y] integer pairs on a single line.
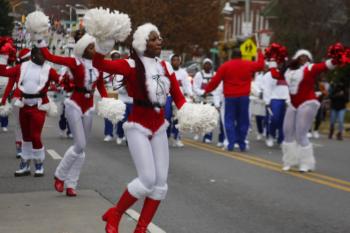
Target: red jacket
[[236, 75], [11, 83], [148, 117], [303, 88], [83, 101], [14, 73]]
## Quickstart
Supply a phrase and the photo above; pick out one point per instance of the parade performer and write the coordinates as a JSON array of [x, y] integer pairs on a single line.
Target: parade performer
[[148, 80], [257, 107], [301, 77], [200, 82], [186, 89], [65, 91], [79, 108], [116, 81], [276, 94], [12, 86], [236, 75], [33, 78], [218, 101]]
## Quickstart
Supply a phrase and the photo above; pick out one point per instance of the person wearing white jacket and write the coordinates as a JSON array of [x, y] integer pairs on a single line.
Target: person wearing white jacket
[[276, 97], [218, 99], [200, 81], [257, 106]]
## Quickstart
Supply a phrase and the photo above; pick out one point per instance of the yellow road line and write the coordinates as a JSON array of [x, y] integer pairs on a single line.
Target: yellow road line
[[317, 178], [253, 157]]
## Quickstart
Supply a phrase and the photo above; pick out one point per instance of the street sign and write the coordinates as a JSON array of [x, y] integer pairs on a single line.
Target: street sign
[[214, 50], [248, 49]]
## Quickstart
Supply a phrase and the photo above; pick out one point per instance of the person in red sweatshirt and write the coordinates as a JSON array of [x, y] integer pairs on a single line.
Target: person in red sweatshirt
[[33, 78], [237, 75], [148, 81], [23, 56], [79, 108]]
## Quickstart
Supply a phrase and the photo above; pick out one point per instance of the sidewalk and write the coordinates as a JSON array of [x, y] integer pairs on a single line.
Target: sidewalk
[[50, 212]]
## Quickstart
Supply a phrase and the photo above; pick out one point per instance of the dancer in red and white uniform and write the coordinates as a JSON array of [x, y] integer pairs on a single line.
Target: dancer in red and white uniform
[[12, 85], [33, 78], [301, 77], [79, 108], [148, 81]]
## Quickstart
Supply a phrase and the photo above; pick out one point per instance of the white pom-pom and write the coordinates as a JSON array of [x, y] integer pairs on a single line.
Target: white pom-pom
[[197, 118], [37, 23], [104, 24], [52, 110], [5, 110], [111, 109]]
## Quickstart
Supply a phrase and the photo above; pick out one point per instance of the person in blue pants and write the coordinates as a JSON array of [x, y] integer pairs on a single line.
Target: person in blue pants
[[4, 120], [276, 98], [236, 75]]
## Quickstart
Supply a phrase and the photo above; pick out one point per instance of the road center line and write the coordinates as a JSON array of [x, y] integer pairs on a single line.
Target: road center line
[[314, 177], [54, 154]]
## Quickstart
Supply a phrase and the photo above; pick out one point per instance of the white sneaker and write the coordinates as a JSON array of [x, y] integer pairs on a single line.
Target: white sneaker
[[63, 134], [70, 135], [207, 141], [269, 142], [315, 134], [108, 138], [304, 168], [24, 169], [309, 135], [119, 140], [178, 143], [220, 144], [4, 129], [196, 137], [286, 168], [259, 136], [39, 170]]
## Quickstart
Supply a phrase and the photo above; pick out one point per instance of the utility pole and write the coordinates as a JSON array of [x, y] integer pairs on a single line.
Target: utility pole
[[247, 10]]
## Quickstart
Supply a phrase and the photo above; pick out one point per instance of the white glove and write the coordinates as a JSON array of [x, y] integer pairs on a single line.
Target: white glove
[[104, 46]]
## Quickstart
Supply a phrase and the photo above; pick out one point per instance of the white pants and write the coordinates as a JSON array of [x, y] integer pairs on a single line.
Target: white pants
[[18, 132], [151, 159], [73, 160], [298, 121]]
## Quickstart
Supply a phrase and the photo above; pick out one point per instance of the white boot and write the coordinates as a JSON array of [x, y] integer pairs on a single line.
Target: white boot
[[39, 157], [290, 155], [307, 160]]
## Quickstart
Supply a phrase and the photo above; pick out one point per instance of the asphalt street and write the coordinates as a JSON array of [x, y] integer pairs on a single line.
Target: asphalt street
[[210, 190]]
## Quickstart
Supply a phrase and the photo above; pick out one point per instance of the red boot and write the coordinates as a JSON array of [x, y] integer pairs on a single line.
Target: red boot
[[148, 210], [59, 185], [113, 215], [70, 192]]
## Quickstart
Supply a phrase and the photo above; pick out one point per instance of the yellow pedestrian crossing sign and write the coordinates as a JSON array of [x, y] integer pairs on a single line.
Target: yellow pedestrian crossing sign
[[248, 49]]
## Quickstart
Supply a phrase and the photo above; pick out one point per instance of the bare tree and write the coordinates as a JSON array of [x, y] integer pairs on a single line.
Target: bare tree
[[182, 23], [310, 24]]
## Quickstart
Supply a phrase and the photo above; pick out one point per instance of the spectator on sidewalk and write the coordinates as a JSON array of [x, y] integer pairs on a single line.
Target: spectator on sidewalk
[[339, 98], [322, 87]]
